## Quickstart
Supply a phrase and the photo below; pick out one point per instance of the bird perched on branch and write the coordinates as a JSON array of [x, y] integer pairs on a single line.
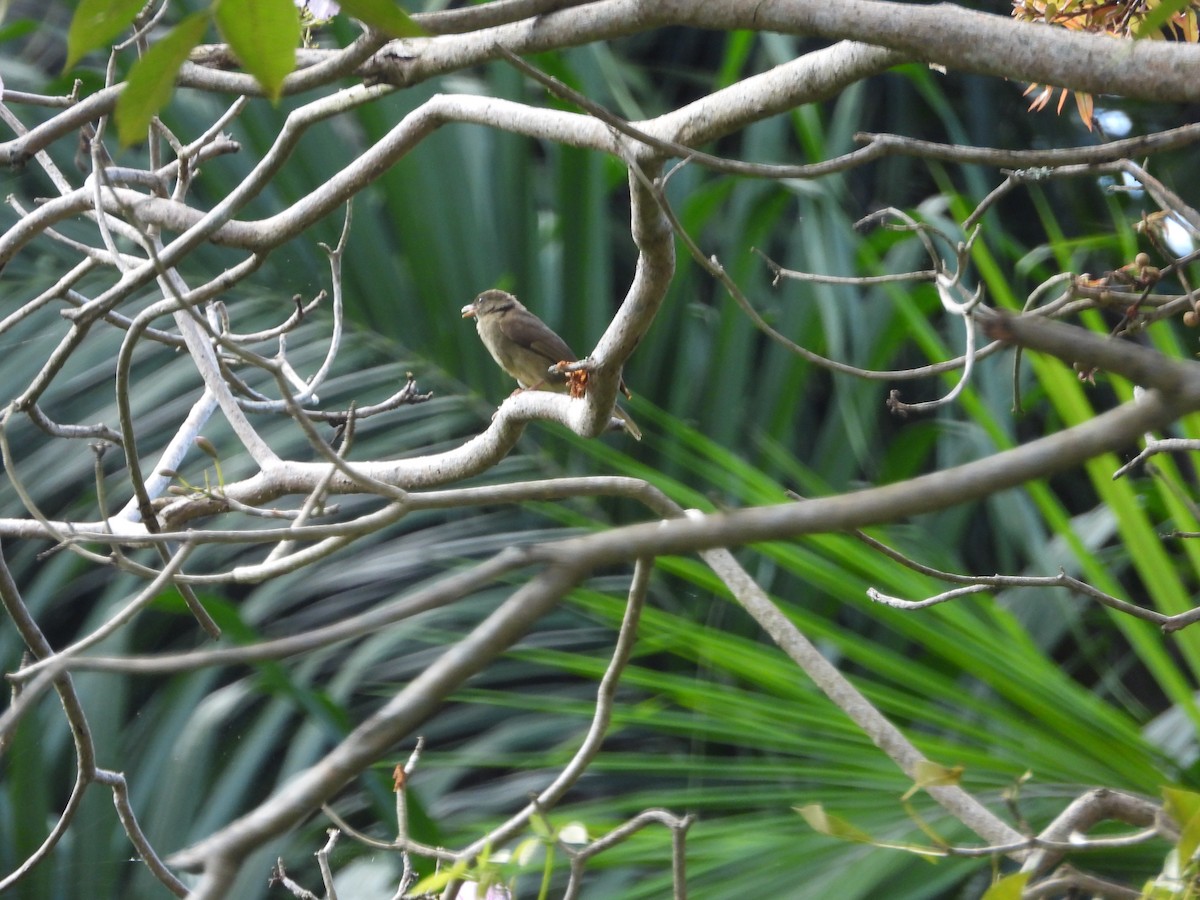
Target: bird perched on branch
[[525, 347]]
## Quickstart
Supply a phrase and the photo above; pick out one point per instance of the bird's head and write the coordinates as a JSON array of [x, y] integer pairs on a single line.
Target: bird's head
[[490, 303]]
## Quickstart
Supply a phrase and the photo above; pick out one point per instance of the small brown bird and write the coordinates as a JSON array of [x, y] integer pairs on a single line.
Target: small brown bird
[[525, 347]]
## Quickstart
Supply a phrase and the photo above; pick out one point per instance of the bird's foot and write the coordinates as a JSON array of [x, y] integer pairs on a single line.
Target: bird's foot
[[577, 383]]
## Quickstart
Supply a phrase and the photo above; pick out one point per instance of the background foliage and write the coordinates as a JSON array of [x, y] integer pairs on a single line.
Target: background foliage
[[713, 720]]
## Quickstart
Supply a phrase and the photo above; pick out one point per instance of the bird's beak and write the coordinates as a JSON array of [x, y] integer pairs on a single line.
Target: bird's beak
[[468, 311]]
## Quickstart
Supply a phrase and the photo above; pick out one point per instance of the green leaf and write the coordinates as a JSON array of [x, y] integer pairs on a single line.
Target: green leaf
[[263, 34], [441, 878], [383, 15], [1153, 891], [931, 774], [96, 23], [152, 79], [833, 826], [1184, 808], [1157, 17], [539, 826], [1009, 887], [18, 29]]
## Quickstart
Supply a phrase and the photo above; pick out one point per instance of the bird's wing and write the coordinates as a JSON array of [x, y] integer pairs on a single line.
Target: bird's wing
[[529, 331]]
